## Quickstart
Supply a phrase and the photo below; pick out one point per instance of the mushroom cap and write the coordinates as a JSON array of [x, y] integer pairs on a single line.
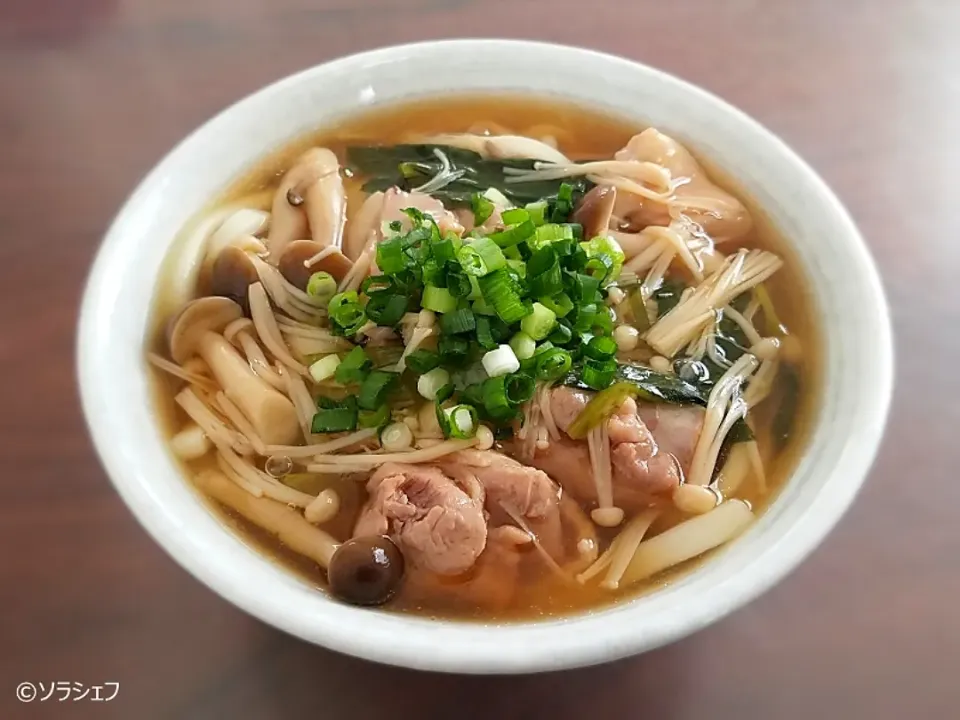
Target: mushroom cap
[[206, 314], [232, 273], [291, 263], [595, 210]]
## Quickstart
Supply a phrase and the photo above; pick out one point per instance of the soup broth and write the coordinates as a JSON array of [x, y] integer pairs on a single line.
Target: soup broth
[[531, 585]]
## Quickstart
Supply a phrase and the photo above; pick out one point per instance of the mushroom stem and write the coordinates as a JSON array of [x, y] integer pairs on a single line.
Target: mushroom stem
[[271, 414]]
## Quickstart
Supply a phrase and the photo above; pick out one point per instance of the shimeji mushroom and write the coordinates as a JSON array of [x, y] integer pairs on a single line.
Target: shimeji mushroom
[[196, 331], [303, 258], [310, 202], [232, 273], [596, 210]]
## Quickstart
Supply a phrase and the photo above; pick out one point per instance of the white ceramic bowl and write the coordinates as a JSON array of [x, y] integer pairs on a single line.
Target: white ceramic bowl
[[848, 296]]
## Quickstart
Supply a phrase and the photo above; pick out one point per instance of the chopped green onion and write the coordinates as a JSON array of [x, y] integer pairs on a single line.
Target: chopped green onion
[[458, 283], [561, 334], [458, 321], [537, 211], [374, 418], [432, 273], [438, 299], [387, 309], [543, 272], [586, 287], [481, 256], [495, 400], [444, 251], [500, 361], [430, 382], [501, 291], [453, 349], [324, 368], [321, 285], [598, 374], [375, 388], [390, 256], [600, 348], [523, 345], [482, 208], [514, 235], [353, 368], [514, 216], [553, 363], [485, 333], [422, 361], [539, 322], [346, 312], [519, 388], [604, 246], [585, 317], [461, 421], [563, 205], [518, 267], [550, 233], [482, 307], [561, 304], [330, 420]]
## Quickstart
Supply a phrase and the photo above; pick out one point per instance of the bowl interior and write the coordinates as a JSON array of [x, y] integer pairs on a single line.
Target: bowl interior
[[849, 304]]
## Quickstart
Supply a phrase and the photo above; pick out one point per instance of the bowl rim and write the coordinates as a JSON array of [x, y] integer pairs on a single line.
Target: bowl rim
[[467, 647]]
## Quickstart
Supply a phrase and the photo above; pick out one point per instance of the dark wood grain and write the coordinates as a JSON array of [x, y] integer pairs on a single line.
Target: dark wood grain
[[94, 91]]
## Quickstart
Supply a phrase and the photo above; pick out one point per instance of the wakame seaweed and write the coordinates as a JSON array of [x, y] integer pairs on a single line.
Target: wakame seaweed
[[653, 386], [410, 166], [787, 412]]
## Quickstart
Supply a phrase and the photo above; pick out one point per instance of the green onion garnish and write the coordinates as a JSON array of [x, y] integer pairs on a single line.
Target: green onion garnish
[[514, 235], [422, 361], [519, 388], [460, 421], [600, 348], [346, 313], [495, 400], [539, 322], [598, 374], [482, 208], [321, 285], [330, 420], [353, 368], [537, 211], [374, 418], [502, 293], [552, 364], [514, 216], [485, 333], [523, 346], [375, 388], [390, 257], [438, 299], [481, 256], [458, 321], [387, 309]]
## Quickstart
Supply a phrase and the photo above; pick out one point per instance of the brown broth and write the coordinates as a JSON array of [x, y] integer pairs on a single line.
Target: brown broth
[[581, 133]]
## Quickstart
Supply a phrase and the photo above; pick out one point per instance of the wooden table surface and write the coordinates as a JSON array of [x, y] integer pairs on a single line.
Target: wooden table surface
[[93, 92]]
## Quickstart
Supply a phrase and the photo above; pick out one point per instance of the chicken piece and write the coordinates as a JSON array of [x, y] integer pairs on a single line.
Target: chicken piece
[[721, 215], [523, 489], [651, 447], [395, 201], [439, 525]]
